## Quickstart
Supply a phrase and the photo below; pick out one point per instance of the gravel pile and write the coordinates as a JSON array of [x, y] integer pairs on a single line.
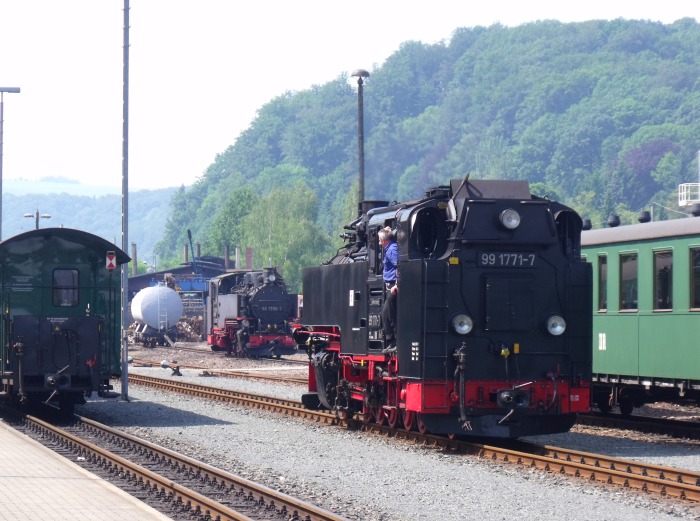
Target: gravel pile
[[366, 477]]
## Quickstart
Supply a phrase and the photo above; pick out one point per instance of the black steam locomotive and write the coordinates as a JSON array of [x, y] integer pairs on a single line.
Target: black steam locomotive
[[250, 314], [493, 321]]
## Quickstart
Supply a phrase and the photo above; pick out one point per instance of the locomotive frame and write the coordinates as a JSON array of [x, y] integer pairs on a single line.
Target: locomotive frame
[[646, 312], [250, 314], [61, 316], [493, 322]]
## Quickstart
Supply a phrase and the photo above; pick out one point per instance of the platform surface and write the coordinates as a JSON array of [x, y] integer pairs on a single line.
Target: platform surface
[[40, 485]]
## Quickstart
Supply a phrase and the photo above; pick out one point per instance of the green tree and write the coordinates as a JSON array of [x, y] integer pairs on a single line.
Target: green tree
[[280, 230]]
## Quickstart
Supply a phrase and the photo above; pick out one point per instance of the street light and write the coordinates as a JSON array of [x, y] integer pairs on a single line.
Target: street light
[[3, 90], [36, 215], [360, 74]]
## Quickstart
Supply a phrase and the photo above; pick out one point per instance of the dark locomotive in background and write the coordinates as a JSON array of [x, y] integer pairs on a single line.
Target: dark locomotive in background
[[61, 316], [494, 315], [250, 314]]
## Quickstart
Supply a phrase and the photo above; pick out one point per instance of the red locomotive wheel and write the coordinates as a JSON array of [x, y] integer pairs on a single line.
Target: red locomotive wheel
[[392, 416], [367, 414], [421, 426], [379, 415], [409, 420]]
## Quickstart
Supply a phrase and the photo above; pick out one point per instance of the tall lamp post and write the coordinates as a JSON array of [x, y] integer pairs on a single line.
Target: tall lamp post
[[36, 215], [3, 90], [360, 74]]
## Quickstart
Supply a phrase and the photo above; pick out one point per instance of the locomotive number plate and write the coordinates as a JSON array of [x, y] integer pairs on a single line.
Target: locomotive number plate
[[505, 259]]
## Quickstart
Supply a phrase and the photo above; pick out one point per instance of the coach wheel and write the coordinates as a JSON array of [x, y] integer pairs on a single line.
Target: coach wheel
[[392, 416], [626, 405], [421, 426], [409, 420]]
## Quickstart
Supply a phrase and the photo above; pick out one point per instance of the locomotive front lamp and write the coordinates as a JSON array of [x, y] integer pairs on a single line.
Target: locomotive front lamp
[[510, 219], [556, 325], [462, 324]]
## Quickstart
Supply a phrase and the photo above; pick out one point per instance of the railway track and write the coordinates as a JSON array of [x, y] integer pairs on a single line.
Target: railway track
[[240, 373], [664, 481], [674, 428], [174, 484]]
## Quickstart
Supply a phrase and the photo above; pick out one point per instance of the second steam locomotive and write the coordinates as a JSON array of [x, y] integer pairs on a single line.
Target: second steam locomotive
[[493, 326], [250, 314]]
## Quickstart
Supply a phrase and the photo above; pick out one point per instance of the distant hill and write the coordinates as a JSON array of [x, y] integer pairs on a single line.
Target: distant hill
[[96, 212], [55, 186]]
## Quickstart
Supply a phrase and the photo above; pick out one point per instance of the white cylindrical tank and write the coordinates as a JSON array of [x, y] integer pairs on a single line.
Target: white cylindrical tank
[[158, 307]]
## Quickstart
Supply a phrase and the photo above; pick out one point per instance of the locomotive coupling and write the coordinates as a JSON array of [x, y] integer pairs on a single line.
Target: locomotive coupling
[[513, 398]]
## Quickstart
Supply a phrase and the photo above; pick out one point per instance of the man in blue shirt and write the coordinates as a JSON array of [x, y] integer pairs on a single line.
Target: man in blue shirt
[[391, 261]]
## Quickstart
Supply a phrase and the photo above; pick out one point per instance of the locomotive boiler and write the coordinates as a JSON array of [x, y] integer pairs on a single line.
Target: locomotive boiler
[[493, 324], [250, 314]]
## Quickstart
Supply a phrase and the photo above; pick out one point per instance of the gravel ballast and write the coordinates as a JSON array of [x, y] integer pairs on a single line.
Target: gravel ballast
[[367, 477]]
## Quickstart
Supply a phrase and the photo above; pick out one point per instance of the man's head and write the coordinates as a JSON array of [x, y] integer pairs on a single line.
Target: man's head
[[385, 235]]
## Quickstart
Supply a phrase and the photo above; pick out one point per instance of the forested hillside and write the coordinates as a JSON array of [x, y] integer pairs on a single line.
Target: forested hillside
[[603, 115], [100, 215]]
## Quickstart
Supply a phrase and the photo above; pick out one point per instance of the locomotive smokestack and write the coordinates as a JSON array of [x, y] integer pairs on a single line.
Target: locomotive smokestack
[[360, 74], [227, 254]]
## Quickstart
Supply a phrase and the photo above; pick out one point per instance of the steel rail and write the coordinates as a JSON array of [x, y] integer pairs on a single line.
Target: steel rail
[[197, 502], [665, 481], [226, 372]]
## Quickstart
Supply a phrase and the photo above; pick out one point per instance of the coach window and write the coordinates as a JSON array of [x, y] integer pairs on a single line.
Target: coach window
[[602, 282], [695, 278], [65, 288], [628, 281], [663, 280]]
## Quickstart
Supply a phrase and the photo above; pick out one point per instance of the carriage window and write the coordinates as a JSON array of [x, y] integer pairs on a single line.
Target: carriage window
[[602, 282], [628, 281], [695, 278], [65, 288], [663, 280]]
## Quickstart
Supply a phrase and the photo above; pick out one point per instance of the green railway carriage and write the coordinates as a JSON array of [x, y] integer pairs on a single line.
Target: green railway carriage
[[60, 291], [646, 312]]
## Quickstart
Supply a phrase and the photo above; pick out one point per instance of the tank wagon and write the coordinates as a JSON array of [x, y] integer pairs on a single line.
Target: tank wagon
[[156, 311], [61, 316], [646, 312], [493, 326], [250, 314]]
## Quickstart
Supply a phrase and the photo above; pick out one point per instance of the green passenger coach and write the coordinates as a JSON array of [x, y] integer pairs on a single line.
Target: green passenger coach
[[646, 312], [60, 291]]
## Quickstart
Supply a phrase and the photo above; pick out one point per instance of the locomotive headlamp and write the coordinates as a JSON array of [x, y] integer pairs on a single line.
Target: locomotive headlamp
[[556, 325], [462, 324], [271, 278], [510, 219], [245, 322]]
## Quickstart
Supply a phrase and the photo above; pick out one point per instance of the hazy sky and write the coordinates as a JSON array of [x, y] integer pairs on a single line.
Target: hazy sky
[[199, 70]]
